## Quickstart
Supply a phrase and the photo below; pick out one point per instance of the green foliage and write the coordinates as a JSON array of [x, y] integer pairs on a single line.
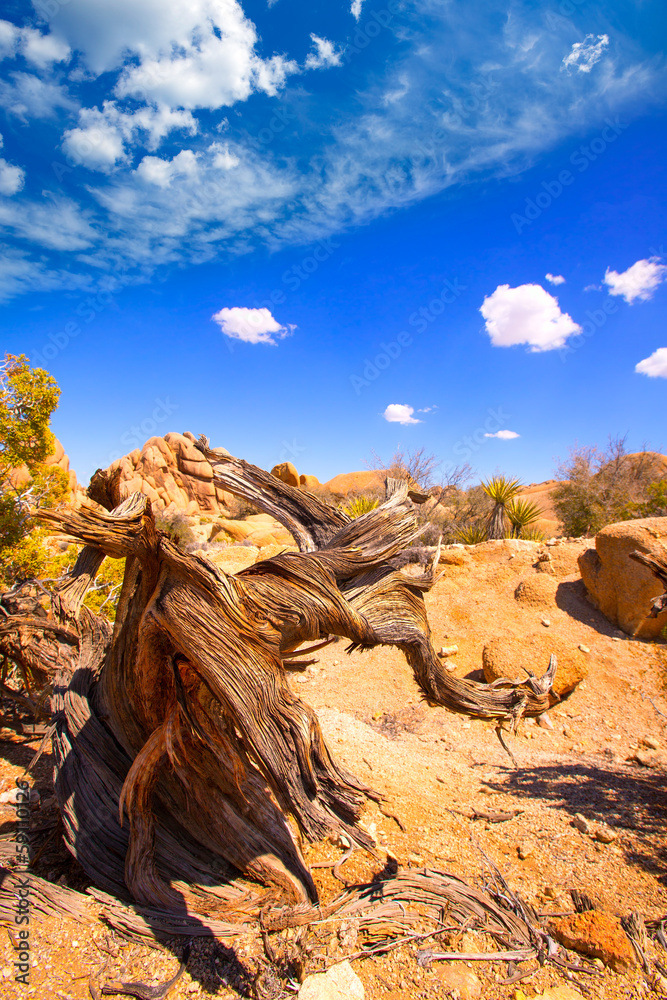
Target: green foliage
[[532, 535], [103, 595], [522, 513], [654, 505], [601, 487], [177, 526], [472, 534], [502, 491], [28, 397], [358, 506]]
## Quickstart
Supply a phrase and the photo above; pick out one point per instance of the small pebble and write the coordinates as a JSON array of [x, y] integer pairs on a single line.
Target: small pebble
[[448, 651], [651, 743], [581, 823], [584, 649], [605, 836], [525, 849], [546, 622]]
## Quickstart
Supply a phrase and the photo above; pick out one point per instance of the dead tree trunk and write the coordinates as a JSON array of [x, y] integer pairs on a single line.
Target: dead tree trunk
[[186, 770]]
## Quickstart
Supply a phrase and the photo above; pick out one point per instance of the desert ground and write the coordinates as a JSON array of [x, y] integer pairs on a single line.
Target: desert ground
[[446, 780]]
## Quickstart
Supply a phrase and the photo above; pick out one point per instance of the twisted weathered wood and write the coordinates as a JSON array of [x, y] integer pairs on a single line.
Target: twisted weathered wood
[[186, 769]]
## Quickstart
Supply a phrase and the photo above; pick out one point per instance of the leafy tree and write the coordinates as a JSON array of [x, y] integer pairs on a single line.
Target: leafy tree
[[600, 487], [28, 397]]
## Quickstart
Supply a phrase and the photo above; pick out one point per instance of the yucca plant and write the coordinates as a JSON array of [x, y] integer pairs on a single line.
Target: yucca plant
[[502, 491], [472, 534], [533, 535], [360, 505], [521, 513]]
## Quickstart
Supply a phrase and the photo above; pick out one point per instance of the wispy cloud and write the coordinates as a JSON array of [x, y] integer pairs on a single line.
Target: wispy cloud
[[325, 54], [503, 435], [586, 54], [253, 326], [638, 282], [400, 413], [392, 144], [555, 279], [655, 366], [355, 9], [528, 315]]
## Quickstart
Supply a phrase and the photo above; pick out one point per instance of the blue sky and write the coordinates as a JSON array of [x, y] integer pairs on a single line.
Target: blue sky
[[314, 231]]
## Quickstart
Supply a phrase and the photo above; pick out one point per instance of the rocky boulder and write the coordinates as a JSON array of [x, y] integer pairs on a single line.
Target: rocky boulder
[[170, 470], [537, 591], [512, 656], [356, 482], [287, 473], [308, 482], [621, 588]]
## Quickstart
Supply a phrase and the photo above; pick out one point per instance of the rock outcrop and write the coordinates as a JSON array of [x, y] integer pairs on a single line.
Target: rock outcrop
[[287, 473], [356, 482], [621, 588], [170, 470]]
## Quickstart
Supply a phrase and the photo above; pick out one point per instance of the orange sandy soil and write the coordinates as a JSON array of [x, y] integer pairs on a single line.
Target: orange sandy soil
[[435, 768]]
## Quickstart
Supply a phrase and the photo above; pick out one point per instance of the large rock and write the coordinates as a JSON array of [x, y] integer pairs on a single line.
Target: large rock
[[308, 482], [170, 470], [537, 591], [508, 656], [456, 977], [598, 935], [340, 982], [287, 473], [356, 482], [621, 588]]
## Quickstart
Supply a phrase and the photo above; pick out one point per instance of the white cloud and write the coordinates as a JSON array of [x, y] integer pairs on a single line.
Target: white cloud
[[254, 326], [527, 314], [555, 279], [584, 55], [400, 413], [26, 96], [655, 366], [325, 54], [503, 435], [54, 223], [99, 142], [98, 148], [162, 172], [11, 178], [185, 54], [638, 282], [355, 9], [9, 37], [41, 50]]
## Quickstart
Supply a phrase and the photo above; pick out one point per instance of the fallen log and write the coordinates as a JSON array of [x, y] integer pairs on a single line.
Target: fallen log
[[186, 769]]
